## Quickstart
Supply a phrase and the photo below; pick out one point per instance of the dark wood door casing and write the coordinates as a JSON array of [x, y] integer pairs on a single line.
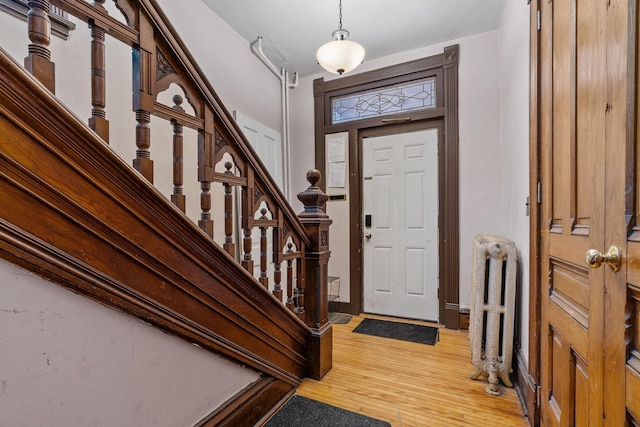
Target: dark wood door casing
[[444, 68]]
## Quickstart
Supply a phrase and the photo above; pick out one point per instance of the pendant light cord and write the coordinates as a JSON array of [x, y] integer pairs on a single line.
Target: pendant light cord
[[340, 13]]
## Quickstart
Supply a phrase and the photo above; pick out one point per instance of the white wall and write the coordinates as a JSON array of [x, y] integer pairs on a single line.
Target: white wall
[[69, 361], [514, 125], [479, 112], [241, 80]]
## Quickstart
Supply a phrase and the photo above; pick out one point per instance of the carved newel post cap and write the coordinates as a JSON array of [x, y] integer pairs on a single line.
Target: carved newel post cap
[[313, 197]]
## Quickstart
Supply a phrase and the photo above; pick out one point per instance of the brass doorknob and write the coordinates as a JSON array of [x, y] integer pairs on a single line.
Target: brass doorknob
[[613, 257]]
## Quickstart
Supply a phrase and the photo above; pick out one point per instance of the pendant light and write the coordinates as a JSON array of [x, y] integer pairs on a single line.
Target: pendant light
[[340, 55]]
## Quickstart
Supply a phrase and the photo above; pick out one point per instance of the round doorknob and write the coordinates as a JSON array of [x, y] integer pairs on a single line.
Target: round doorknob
[[368, 236], [613, 257]]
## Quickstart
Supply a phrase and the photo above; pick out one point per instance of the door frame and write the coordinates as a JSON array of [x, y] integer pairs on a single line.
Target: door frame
[[444, 67], [438, 124], [529, 373]]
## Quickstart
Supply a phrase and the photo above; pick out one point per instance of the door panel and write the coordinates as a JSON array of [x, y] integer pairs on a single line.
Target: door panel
[[585, 159], [571, 310], [401, 253]]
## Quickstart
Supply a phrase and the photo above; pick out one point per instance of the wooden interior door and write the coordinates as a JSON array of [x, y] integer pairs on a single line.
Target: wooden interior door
[[588, 195]]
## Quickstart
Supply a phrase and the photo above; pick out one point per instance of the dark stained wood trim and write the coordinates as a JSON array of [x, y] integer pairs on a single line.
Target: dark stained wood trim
[[357, 227], [341, 307], [532, 374], [319, 119], [74, 213], [527, 388], [451, 227], [445, 68], [464, 319], [252, 406]]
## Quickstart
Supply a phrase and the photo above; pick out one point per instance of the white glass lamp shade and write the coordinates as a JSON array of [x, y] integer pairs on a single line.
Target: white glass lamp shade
[[340, 56]]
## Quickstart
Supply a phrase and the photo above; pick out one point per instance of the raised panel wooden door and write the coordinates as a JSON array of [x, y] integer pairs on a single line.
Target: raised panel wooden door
[[583, 99]]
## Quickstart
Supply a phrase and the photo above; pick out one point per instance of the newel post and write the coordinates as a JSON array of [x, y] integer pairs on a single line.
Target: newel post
[[316, 304]]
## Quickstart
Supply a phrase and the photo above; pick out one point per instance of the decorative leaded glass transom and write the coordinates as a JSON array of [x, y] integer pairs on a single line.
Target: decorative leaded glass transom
[[401, 98]]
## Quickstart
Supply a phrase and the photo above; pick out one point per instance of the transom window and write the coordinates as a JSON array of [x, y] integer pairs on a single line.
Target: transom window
[[401, 98]]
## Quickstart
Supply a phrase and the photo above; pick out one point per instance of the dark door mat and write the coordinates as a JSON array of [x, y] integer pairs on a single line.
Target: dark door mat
[[303, 412], [399, 331], [339, 318]]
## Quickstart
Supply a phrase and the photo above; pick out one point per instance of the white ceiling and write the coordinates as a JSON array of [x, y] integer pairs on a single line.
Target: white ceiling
[[292, 30]]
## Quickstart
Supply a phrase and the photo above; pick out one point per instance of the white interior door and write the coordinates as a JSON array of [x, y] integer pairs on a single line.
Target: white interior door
[[401, 224], [266, 141], [268, 145]]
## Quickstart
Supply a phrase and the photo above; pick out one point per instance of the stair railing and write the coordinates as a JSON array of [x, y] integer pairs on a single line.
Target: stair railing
[[299, 246]]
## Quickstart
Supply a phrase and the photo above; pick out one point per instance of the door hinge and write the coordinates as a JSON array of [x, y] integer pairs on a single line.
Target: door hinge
[[538, 396], [539, 19], [539, 195]]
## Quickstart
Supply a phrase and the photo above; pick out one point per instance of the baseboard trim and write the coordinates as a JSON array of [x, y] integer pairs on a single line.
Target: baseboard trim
[[464, 319], [528, 390], [255, 403], [343, 307]]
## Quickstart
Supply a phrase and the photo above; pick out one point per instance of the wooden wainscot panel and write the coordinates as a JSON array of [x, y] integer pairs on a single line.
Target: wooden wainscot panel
[[633, 343], [573, 283], [570, 289], [633, 393], [633, 261]]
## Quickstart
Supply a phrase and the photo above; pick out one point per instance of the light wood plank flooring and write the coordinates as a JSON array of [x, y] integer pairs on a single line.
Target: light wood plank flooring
[[409, 384]]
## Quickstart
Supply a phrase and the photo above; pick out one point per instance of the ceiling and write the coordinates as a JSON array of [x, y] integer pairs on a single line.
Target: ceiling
[[292, 30]]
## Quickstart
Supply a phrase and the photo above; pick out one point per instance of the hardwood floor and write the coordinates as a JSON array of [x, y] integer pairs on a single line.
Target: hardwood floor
[[409, 384]]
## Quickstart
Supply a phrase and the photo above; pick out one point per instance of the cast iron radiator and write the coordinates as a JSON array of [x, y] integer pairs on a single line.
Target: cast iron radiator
[[493, 292]]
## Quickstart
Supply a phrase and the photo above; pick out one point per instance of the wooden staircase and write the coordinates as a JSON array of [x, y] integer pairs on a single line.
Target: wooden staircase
[[74, 213]]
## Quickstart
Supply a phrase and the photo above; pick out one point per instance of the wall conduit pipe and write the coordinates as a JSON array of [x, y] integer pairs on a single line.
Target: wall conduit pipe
[[285, 85]]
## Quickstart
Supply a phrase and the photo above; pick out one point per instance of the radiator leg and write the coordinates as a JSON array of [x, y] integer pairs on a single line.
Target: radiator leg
[[493, 387], [504, 376], [476, 373]]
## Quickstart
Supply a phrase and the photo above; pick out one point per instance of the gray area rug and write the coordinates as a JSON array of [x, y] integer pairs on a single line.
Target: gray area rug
[[398, 331], [303, 412]]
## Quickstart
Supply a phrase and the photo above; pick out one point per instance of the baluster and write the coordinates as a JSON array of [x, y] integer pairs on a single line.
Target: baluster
[[38, 61], [98, 121], [292, 297], [229, 246], [248, 212], [178, 198], [205, 176], [247, 263], [205, 222], [143, 163], [263, 252], [300, 287], [277, 287]]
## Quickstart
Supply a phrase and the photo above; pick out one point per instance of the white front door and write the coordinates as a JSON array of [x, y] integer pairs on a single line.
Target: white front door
[[401, 224]]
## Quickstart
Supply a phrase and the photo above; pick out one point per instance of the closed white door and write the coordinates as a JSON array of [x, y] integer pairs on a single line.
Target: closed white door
[[401, 224], [268, 145]]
